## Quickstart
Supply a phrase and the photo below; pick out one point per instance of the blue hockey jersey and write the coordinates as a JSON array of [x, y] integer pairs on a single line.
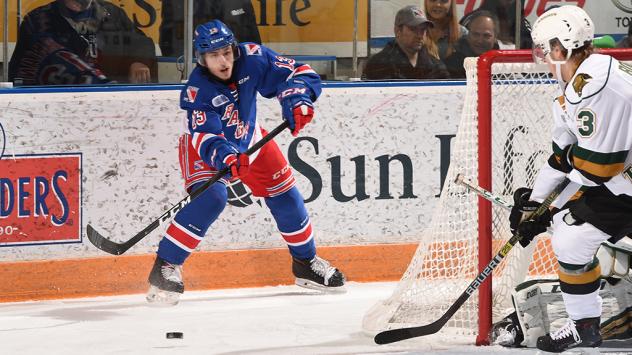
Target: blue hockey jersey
[[222, 117]]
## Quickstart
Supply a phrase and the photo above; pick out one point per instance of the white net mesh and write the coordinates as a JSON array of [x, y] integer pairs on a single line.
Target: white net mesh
[[446, 259]]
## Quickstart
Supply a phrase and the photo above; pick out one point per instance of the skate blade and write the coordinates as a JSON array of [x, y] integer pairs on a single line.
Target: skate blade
[[318, 287], [161, 298]]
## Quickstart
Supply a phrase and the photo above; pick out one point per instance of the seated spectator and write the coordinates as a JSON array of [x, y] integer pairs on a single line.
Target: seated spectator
[[239, 15], [446, 31], [626, 42], [406, 57], [481, 37], [505, 11], [81, 42]]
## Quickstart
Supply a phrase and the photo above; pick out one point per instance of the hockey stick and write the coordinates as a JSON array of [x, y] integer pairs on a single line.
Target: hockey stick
[[495, 199], [393, 335], [115, 248]]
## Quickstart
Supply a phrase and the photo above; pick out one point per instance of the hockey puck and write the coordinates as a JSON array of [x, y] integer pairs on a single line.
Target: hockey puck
[[175, 335]]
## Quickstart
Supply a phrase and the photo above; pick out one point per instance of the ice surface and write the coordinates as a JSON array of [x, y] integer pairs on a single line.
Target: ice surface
[[270, 320]]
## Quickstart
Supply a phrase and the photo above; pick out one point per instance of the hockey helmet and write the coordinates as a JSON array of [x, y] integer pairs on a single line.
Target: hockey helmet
[[568, 24], [212, 36]]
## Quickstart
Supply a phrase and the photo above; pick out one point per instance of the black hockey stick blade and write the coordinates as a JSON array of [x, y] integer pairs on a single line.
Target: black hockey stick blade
[[114, 248], [393, 335], [101, 242]]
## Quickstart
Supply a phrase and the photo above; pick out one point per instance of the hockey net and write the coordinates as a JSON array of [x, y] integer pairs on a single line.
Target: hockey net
[[503, 138]]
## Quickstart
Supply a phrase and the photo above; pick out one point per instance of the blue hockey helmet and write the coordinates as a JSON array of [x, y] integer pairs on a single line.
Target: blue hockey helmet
[[211, 36]]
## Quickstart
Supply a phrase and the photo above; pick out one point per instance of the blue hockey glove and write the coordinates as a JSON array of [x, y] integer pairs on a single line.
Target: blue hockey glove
[[225, 155], [297, 105], [522, 207]]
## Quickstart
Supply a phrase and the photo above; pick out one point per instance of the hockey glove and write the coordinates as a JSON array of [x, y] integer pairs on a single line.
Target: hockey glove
[[239, 165], [297, 105], [522, 208]]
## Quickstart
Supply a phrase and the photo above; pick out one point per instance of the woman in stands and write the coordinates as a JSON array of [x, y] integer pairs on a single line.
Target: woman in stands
[[446, 31]]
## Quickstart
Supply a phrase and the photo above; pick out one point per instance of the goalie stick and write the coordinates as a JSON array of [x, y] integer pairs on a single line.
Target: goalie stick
[[115, 248], [393, 335]]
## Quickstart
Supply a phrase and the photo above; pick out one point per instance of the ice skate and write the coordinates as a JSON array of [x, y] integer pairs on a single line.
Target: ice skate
[[507, 332], [583, 333], [165, 284], [318, 274]]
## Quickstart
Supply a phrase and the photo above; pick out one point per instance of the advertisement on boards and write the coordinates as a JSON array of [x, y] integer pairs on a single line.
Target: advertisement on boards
[[40, 199]]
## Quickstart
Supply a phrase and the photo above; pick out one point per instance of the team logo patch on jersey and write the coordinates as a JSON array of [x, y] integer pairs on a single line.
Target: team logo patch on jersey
[[580, 81], [198, 165], [192, 93], [219, 100], [252, 49]]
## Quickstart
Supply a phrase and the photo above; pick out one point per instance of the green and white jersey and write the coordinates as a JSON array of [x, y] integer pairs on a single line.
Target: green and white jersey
[[595, 115]]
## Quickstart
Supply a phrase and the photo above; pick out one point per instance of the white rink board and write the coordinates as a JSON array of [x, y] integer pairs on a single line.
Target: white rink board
[[128, 142]]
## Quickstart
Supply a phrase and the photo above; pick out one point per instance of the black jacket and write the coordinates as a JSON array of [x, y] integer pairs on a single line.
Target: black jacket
[[238, 15], [47, 43], [392, 63], [455, 61]]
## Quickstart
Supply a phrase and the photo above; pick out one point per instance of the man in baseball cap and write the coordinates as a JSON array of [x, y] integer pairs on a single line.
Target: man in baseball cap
[[411, 16], [406, 57]]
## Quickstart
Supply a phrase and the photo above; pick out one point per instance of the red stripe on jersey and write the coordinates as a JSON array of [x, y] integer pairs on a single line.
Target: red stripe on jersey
[[299, 237], [183, 236], [282, 187], [304, 69], [199, 138]]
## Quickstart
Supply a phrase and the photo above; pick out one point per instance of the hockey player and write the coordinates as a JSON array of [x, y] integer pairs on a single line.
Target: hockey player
[[592, 137], [220, 124]]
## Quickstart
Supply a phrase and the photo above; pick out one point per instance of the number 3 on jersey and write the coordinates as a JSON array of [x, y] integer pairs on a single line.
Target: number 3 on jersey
[[586, 122]]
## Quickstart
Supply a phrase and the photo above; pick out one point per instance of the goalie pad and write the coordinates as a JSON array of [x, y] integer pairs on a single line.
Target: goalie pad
[[614, 259], [540, 308]]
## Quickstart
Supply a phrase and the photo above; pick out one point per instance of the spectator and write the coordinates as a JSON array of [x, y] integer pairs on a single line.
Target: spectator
[[446, 31], [239, 15], [406, 57], [626, 42], [481, 37], [505, 11], [81, 42]]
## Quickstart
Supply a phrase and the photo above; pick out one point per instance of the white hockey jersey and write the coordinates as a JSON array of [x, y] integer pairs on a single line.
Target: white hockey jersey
[[595, 115]]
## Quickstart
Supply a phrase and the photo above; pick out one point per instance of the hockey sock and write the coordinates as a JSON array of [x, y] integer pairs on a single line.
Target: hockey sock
[[580, 289], [288, 210], [190, 224]]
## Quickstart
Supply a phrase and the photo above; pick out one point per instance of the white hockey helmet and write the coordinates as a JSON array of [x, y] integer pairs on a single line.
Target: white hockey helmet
[[570, 25]]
